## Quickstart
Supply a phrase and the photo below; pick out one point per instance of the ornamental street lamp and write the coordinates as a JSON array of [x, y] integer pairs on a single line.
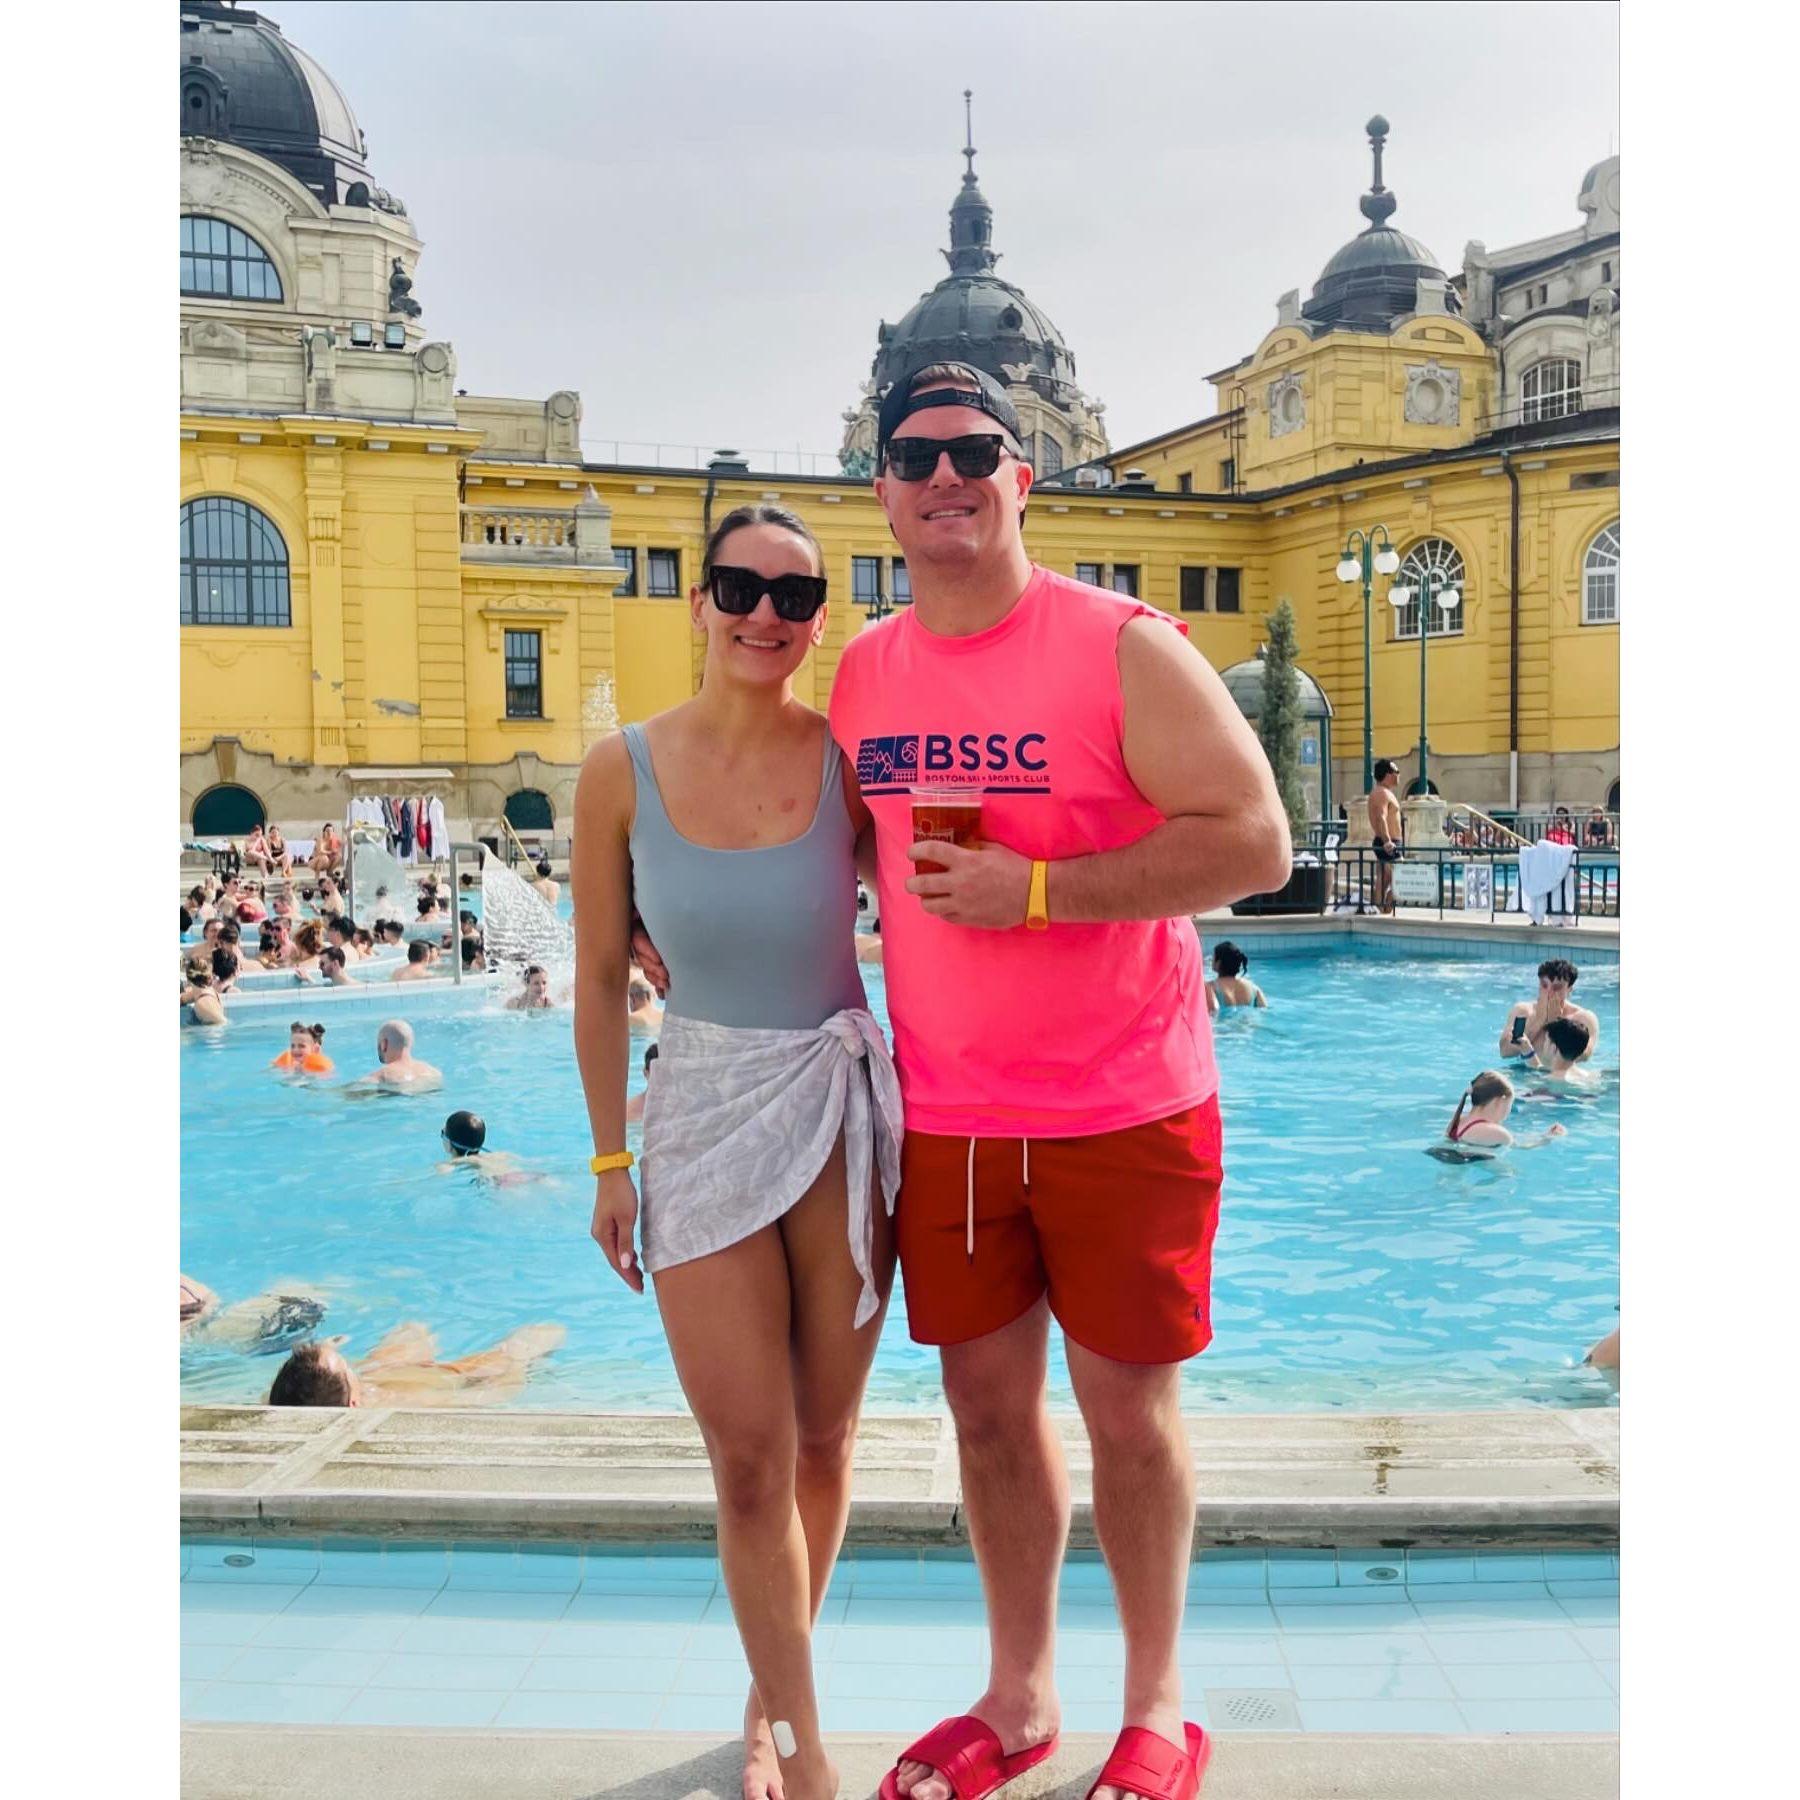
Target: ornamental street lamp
[[1362, 561], [1434, 584]]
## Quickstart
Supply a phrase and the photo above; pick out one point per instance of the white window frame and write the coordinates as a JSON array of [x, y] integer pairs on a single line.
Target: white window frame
[[1550, 389], [1600, 578], [1431, 553]]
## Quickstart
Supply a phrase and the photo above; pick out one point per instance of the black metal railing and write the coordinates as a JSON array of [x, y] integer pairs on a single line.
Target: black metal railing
[[1479, 882]]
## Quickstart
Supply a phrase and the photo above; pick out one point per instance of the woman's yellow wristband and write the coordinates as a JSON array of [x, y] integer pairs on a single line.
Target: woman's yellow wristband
[[619, 1159]]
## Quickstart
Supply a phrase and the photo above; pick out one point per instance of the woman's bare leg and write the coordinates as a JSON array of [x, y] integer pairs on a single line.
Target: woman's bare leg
[[729, 1321]]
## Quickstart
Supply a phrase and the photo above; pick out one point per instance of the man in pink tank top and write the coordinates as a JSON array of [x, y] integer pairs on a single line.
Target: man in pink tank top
[[1050, 1027]]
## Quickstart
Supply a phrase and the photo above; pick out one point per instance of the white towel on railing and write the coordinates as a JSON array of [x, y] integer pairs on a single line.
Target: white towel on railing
[[1545, 869]]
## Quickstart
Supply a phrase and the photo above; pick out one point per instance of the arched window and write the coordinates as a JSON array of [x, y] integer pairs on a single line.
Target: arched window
[[1600, 579], [1050, 456], [1612, 798], [1444, 562], [227, 811], [234, 565], [529, 810], [1551, 390], [220, 262]]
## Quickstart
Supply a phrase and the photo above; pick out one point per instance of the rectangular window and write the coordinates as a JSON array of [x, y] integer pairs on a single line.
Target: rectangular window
[[902, 583], [627, 560], [1184, 484], [1600, 597], [1091, 573], [1193, 590], [524, 675], [1050, 456], [865, 579], [1606, 271], [665, 574], [1228, 475], [1226, 588], [1125, 579]]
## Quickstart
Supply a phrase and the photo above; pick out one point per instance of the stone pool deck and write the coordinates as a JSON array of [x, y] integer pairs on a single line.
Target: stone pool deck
[[1309, 1480], [274, 1762]]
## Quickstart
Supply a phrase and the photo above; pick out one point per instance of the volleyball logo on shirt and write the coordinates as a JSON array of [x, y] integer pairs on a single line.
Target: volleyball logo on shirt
[[887, 761]]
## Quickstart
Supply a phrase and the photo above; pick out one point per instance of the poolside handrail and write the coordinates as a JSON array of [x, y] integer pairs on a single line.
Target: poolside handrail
[[475, 850]]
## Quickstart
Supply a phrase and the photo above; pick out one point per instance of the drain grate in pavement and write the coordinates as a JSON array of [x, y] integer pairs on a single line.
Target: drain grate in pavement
[[1252, 1709]]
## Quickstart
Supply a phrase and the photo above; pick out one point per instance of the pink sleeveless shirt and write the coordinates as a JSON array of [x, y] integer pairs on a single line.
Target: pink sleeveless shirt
[[1060, 1033]]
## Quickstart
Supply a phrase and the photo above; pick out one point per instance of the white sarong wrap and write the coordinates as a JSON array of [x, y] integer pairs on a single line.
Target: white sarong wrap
[[738, 1122]]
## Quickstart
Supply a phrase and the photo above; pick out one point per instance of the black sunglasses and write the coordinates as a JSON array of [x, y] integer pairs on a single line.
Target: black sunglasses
[[737, 591], [914, 458]]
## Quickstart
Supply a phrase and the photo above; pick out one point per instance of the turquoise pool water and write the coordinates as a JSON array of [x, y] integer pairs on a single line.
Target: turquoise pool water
[[1351, 1270], [365, 1633]]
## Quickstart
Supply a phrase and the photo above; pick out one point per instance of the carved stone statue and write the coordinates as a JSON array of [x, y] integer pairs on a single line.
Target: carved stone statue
[[400, 298]]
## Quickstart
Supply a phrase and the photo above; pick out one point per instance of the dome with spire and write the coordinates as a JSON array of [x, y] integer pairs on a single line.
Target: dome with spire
[[1374, 279], [243, 83], [973, 316]]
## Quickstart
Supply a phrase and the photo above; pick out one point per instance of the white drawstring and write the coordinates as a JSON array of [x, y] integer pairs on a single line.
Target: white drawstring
[[971, 1231], [1025, 1153]]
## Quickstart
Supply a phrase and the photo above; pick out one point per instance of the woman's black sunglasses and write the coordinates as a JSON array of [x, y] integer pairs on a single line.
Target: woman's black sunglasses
[[914, 458], [737, 591]]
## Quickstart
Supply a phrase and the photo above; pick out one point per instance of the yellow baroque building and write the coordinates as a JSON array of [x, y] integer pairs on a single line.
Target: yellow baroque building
[[382, 572]]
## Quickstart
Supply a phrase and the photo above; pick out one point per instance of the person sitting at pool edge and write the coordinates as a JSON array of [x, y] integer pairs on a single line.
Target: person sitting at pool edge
[[535, 996], [403, 1370], [1229, 986], [1523, 1032], [1489, 1098], [399, 1067], [305, 1051], [418, 962]]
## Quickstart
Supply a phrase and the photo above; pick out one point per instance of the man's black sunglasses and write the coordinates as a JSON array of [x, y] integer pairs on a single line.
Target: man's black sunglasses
[[737, 591], [914, 458]]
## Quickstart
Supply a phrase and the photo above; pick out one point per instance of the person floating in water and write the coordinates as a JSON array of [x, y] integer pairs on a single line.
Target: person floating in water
[[465, 1136], [399, 1069], [1229, 987], [535, 995], [403, 1370], [1487, 1100], [305, 1053]]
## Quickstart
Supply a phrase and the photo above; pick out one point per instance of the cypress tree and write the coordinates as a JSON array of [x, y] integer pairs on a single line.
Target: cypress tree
[[1278, 720]]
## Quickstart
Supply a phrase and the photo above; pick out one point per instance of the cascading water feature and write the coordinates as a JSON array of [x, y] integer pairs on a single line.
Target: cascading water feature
[[373, 866], [519, 927]]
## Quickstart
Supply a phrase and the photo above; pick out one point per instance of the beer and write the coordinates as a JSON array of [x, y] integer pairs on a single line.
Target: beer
[[945, 815]]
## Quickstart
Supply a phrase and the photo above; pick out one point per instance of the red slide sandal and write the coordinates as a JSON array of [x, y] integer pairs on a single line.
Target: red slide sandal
[[967, 1754], [1143, 1763]]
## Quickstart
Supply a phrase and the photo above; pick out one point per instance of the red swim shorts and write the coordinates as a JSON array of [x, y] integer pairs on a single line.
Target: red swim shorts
[[1117, 1228]]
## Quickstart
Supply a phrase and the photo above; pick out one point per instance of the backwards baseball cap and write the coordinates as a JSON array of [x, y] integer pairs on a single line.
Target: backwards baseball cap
[[975, 387]]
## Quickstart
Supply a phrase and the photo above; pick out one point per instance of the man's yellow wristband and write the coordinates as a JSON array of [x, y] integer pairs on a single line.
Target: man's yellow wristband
[[1037, 907], [619, 1159]]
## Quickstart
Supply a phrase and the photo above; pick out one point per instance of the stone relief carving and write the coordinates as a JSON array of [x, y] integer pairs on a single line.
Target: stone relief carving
[[1287, 405], [319, 347], [1433, 394], [216, 338]]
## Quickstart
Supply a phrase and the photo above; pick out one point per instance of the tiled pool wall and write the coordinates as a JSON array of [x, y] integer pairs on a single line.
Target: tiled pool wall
[[1401, 946], [389, 1633]]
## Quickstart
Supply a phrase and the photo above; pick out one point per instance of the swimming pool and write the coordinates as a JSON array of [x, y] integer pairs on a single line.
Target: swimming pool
[[1351, 1268], [552, 1637]]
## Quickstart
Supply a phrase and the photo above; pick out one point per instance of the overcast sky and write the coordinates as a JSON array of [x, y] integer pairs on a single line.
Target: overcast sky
[[697, 214]]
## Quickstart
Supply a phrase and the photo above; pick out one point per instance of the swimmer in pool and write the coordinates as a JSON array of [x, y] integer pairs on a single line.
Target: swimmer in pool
[[1605, 1357], [548, 891], [465, 1136], [1488, 1099], [200, 1002], [403, 1370], [263, 1326], [1523, 1032], [1229, 986], [1566, 1042], [640, 1003], [305, 1053], [535, 996], [400, 1069], [417, 967], [634, 1107]]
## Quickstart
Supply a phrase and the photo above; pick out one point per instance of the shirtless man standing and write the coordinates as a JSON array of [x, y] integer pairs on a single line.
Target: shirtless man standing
[[1384, 824]]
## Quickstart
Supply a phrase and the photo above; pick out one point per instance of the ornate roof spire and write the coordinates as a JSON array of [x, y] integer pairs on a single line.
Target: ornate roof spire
[[1377, 204], [971, 218]]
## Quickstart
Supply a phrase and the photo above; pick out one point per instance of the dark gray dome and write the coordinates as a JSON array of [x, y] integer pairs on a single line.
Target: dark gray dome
[[977, 319], [1374, 279], [244, 83], [1244, 682]]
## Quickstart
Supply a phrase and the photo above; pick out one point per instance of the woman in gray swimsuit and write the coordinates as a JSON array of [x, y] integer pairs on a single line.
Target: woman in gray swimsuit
[[772, 1119]]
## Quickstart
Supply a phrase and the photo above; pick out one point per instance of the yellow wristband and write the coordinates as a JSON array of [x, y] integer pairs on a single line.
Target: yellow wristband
[[1037, 907], [619, 1159]]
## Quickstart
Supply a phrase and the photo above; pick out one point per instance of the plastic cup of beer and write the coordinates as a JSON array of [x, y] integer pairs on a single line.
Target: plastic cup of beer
[[945, 815]]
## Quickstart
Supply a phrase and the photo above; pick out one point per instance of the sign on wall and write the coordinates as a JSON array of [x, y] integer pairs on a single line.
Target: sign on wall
[[1416, 883]]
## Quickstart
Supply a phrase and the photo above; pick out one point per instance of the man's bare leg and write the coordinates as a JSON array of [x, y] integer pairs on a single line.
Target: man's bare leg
[[1015, 1487], [1144, 1517]]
